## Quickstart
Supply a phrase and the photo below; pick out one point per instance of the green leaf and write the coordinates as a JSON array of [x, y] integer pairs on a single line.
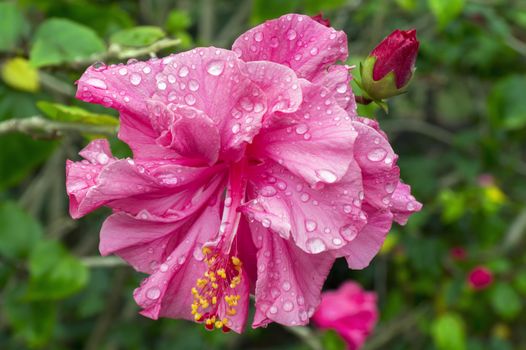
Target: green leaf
[[18, 231], [177, 21], [63, 113], [19, 74], [505, 301], [54, 273], [506, 104], [267, 9], [20, 155], [448, 332], [13, 26], [446, 11], [138, 36], [332, 341], [34, 322], [60, 41]]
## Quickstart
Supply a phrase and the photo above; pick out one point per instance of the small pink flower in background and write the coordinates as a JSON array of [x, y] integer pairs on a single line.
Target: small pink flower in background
[[350, 311], [458, 253], [486, 180], [251, 173], [480, 278]]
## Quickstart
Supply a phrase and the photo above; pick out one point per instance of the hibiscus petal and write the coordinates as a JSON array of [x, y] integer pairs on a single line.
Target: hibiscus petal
[[213, 80], [315, 142], [403, 203], [296, 41], [367, 244], [337, 80], [317, 219], [280, 84], [133, 187], [377, 160], [289, 280]]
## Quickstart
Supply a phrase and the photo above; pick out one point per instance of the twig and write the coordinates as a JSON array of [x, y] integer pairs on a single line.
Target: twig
[[307, 336], [41, 127], [421, 127], [102, 261]]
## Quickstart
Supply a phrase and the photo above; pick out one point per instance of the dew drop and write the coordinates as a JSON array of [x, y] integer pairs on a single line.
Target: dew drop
[[246, 104], [376, 155], [102, 158], [189, 99], [258, 37], [286, 286], [161, 85], [304, 197], [288, 306], [163, 268], [97, 83], [326, 176], [146, 70], [268, 191], [348, 232], [266, 223], [315, 245], [193, 85], [153, 293], [336, 241], [301, 129], [342, 88], [310, 225], [291, 34], [183, 71], [410, 206], [215, 68], [389, 187], [198, 253], [123, 71], [274, 42], [235, 128], [273, 310], [347, 208], [135, 79], [314, 51]]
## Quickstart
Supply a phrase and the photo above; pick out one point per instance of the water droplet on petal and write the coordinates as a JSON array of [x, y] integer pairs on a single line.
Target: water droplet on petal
[[273, 310], [389, 187], [189, 99], [291, 34], [410, 206], [304, 197], [348, 232], [153, 293], [123, 71], [258, 37], [301, 300], [193, 85], [314, 51], [347, 208], [268, 191], [146, 70], [246, 104], [161, 85], [301, 129], [235, 128], [198, 253], [336, 241], [342, 88], [288, 306], [315, 245], [310, 225], [286, 286], [102, 158], [135, 79], [376, 154], [97, 83], [215, 68], [183, 71], [326, 176], [266, 223], [163, 268]]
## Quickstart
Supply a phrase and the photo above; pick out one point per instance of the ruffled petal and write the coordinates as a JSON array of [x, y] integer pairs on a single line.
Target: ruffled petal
[[369, 240], [315, 142], [209, 79], [403, 203], [337, 80], [289, 280], [377, 160], [133, 187], [280, 84], [316, 220], [296, 41]]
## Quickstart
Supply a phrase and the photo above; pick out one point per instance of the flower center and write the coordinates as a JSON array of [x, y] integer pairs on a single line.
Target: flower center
[[216, 293]]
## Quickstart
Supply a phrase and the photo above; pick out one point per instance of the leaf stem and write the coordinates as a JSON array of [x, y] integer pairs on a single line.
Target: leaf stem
[[41, 127]]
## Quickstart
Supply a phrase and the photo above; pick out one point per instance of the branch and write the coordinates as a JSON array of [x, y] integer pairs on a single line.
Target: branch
[[102, 261], [307, 336], [42, 127]]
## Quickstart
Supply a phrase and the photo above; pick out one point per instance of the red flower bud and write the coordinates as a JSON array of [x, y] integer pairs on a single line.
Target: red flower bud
[[396, 53], [480, 278], [319, 18]]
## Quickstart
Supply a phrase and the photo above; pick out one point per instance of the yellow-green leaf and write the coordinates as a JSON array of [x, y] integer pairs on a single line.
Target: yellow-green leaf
[[20, 75], [63, 113]]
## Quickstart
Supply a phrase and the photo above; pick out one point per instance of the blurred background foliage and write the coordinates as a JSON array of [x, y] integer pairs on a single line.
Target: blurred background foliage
[[460, 132]]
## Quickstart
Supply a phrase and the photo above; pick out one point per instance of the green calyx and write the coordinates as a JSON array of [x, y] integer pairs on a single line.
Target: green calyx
[[377, 90]]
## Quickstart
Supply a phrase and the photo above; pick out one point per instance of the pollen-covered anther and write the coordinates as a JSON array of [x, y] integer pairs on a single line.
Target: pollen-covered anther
[[216, 290]]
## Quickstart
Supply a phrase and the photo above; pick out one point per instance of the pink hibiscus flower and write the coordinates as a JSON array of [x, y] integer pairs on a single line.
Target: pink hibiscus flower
[[251, 173], [350, 311]]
